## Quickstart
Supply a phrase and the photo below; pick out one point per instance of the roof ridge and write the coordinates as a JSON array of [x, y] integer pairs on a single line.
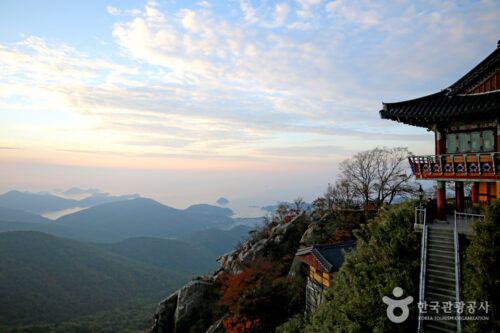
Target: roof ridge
[[475, 71]]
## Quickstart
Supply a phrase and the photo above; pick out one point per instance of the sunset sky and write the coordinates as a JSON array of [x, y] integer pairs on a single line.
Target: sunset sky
[[185, 102]]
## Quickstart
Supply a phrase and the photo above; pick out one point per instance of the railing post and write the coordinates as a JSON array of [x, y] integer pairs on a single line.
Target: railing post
[[493, 163], [457, 273], [423, 256]]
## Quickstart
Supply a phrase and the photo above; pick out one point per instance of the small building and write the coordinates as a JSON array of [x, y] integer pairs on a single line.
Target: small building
[[322, 261], [465, 118]]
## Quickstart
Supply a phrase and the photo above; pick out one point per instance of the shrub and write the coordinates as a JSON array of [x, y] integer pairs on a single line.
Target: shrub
[[387, 256], [481, 275]]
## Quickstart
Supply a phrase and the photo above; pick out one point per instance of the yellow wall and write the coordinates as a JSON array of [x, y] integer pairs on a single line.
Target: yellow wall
[[321, 277]]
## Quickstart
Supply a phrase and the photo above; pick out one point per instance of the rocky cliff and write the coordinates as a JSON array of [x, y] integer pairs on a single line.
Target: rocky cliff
[[192, 308]]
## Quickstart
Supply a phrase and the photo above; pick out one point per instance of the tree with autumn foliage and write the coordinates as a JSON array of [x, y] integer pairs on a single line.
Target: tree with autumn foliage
[[259, 298]]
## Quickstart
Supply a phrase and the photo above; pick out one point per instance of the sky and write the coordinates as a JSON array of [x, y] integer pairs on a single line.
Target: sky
[[186, 102]]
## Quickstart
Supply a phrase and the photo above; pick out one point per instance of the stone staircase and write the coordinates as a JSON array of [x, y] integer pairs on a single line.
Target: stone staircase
[[440, 278]]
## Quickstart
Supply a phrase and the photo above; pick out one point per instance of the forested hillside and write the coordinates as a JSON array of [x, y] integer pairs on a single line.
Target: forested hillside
[[49, 279], [176, 255]]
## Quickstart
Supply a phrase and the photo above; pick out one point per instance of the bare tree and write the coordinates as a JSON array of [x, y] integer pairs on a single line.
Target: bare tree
[[378, 175], [341, 195], [299, 204]]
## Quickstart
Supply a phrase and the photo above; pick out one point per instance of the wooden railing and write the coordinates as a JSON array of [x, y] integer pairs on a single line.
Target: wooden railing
[[480, 166]]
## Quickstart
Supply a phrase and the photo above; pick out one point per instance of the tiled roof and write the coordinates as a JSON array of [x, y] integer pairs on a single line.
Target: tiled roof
[[330, 256], [443, 107], [452, 104]]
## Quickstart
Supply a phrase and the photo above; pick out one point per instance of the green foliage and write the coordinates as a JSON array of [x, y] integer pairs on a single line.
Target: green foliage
[[295, 324], [387, 256], [134, 316], [481, 274], [45, 279]]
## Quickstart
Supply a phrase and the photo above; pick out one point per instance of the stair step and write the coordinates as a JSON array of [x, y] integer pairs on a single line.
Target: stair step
[[442, 291], [435, 296], [434, 234], [441, 231], [435, 326], [441, 267], [441, 256], [441, 246], [441, 264], [441, 234], [439, 239], [432, 272], [441, 279], [439, 251], [440, 284]]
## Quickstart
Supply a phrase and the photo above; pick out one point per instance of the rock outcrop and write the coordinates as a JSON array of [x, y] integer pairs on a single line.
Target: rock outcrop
[[189, 308], [186, 310]]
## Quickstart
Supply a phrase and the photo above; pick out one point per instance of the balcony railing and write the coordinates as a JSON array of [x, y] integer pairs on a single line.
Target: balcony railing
[[480, 166]]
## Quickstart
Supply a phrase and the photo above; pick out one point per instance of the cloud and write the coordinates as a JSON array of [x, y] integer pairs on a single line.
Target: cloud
[[204, 3], [280, 14], [249, 12], [113, 11], [189, 82]]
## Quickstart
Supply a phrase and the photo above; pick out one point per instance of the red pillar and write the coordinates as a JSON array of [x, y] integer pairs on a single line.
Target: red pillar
[[475, 192], [459, 195], [441, 200], [440, 143]]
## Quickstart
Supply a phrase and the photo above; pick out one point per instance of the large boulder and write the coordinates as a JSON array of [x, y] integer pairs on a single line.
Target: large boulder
[[186, 310]]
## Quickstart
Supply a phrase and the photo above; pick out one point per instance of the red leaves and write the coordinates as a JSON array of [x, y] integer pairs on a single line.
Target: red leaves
[[233, 325], [253, 297], [292, 213], [339, 235], [236, 286]]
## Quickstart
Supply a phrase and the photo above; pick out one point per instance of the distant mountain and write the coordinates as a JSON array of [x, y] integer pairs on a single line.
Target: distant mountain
[[43, 202], [204, 209], [172, 254], [9, 214], [47, 279], [100, 198], [216, 241], [251, 222], [222, 201], [53, 229], [272, 208], [143, 217], [78, 191], [35, 203]]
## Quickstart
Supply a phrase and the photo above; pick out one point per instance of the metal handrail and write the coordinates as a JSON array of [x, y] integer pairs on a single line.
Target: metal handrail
[[422, 267], [461, 220], [419, 213], [457, 272]]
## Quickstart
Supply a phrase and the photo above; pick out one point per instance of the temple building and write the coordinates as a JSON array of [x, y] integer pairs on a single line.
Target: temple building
[[322, 261], [465, 120]]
